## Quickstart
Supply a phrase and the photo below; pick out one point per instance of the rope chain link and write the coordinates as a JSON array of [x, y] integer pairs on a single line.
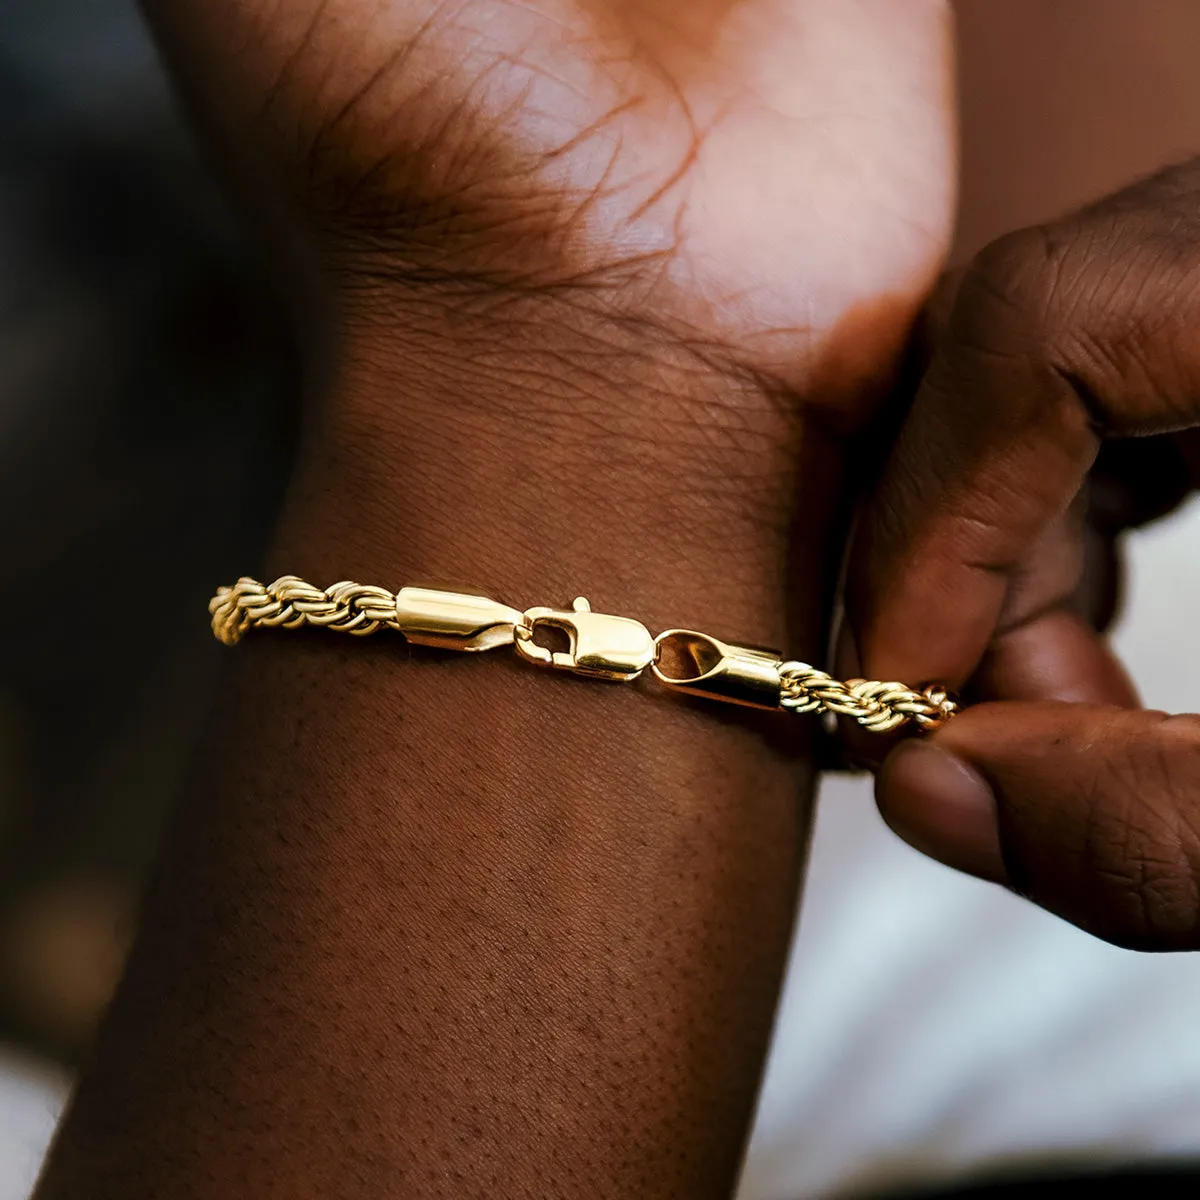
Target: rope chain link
[[360, 609], [289, 603], [876, 706]]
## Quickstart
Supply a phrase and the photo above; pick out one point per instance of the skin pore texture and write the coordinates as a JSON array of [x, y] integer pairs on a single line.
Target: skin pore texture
[[597, 302]]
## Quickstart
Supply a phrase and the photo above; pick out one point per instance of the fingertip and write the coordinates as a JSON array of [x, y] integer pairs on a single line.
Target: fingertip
[[942, 806]]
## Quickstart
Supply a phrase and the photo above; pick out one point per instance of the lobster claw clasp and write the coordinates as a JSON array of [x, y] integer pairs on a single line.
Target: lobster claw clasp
[[600, 646]]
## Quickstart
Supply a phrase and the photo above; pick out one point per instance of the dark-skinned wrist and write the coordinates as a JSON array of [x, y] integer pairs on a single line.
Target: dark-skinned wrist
[[538, 448], [529, 925]]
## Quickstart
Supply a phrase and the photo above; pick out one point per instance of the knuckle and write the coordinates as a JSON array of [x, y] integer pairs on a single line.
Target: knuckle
[[1014, 331], [1102, 302], [1011, 294]]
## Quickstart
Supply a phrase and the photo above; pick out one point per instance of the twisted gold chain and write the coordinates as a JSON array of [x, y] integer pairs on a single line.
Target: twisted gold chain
[[289, 603], [599, 646]]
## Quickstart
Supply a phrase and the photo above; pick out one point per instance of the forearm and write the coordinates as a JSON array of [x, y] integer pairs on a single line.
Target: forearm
[[437, 925]]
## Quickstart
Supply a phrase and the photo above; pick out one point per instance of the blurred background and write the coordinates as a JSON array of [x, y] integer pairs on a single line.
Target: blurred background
[[937, 1029]]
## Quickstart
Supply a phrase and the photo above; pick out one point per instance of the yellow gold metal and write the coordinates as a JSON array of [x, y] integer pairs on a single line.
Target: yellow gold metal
[[454, 620], [879, 707], [600, 646], [289, 603], [701, 665]]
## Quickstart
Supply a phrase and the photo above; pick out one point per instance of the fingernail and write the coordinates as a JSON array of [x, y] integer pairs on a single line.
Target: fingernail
[[943, 807]]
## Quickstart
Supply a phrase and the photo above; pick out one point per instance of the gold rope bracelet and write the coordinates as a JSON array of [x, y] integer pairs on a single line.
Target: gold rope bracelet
[[599, 646]]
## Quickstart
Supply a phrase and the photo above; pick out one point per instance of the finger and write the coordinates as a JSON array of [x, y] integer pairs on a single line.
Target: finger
[[1044, 648], [1092, 812], [1056, 334], [1055, 656]]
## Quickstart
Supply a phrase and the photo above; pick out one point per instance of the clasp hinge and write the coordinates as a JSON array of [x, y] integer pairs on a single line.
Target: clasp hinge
[[600, 646]]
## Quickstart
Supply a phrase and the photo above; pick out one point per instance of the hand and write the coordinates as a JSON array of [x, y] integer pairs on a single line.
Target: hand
[[744, 177], [968, 562]]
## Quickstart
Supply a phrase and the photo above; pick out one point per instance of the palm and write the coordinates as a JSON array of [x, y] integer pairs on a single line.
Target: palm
[[757, 173]]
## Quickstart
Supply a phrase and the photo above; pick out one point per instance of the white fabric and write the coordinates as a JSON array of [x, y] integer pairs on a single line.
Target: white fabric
[[31, 1098]]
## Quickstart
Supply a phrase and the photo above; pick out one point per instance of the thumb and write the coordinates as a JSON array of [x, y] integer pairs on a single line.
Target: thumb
[[1091, 812]]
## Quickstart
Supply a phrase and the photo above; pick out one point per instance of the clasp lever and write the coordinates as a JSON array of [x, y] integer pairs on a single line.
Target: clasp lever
[[600, 646]]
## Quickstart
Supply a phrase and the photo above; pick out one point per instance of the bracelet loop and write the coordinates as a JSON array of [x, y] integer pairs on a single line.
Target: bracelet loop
[[599, 646]]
